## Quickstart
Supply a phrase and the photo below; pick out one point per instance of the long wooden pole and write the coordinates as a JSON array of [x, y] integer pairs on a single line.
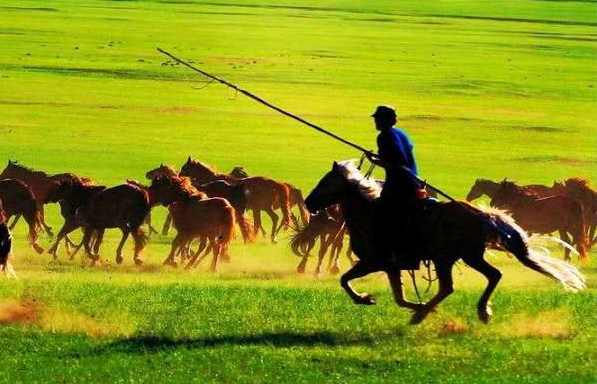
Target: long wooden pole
[[291, 115]]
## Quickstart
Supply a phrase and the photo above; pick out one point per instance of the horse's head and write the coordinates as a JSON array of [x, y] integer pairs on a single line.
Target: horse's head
[[330, 190], [507, 193], [162, 170], [167, 190]]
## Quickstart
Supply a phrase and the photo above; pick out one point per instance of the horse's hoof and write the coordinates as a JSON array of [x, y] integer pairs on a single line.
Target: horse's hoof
[[419, 315], [38, 249], [301, 269], [335, 270], [485, 314], [138, 262], [119, 260], [366, 299], [171, 263]]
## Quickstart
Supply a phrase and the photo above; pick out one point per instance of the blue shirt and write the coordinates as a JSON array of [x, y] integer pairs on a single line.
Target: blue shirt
[[395, 148]]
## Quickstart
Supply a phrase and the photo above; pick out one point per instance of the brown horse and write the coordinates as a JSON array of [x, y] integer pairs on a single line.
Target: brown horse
[[263, 194], [125, 207], [447, 232], [580, 190], [556, 213], [18, 199], [295, 195], [71, 195], [39, 182], [489, 188], [194, 216], [328, 226]]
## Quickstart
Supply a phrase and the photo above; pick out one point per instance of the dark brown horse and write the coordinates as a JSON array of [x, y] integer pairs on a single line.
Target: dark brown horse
[[125, 207], [580, 190], [328, 227], [489, 188], [194, 216], [18, 199], [452, 230], [39, 182], [71, 195], [556, 213], [263, 193]]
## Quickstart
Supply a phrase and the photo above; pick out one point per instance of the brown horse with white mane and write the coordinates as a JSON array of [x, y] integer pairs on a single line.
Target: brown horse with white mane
[[18, 199], [194, 216], [39, 182], [125, 207], [448, 231], [263, 193], [556, 213]]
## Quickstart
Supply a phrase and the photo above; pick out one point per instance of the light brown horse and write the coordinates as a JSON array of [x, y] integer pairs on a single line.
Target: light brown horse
[[194, 216], [71, 195], [125, 207], [556, 213], [18, 199], [39, 182], [263, 193], [448, 231], [580, 190]]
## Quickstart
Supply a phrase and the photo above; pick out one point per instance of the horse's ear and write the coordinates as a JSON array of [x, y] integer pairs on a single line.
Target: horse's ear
[[161, 165], [335, 166], [189, 159]]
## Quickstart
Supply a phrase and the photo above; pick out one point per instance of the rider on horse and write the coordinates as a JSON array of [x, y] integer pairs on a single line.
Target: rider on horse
[[401, 190]]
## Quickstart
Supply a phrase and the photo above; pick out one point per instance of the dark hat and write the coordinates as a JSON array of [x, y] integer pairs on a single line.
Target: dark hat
[[384, 111]]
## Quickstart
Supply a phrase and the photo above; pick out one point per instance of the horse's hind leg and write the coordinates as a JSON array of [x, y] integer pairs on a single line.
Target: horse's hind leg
[[167, 224], [274, 217], [176, 243], [257, 223], [395, 279], [493, 276], [125, 235], [46, 227], [98, 241], [323, 249], [358, 270], [443, 268]]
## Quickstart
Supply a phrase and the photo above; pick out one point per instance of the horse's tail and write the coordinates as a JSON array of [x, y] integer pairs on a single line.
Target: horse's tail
[[301, 206], [303, 239], [141, 240], [284, 201], [245, 226], [505, 234], [228, 228]]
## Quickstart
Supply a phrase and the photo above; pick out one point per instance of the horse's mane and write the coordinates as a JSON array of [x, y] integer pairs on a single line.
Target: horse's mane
[[23, 168], [511, 186], [182, 184], [368, 188], [209, 168], [577, 182], [164, 169]]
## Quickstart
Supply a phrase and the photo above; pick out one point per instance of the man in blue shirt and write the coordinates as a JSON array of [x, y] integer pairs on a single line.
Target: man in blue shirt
[[397, 200]]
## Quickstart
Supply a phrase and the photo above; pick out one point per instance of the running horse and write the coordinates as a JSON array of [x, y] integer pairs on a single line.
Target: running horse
[[580, 190], [556, 213], [39, 182], [489, 188], [194, 215], [454, 230], [264, 194]]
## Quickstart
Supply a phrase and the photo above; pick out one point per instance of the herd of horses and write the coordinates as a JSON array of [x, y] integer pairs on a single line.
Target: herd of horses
[[206, 206]]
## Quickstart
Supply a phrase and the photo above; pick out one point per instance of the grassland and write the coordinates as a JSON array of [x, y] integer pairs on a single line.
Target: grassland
[[486, 89]]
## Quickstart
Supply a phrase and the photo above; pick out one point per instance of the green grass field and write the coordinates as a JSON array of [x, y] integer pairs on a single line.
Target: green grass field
[[485, 89]]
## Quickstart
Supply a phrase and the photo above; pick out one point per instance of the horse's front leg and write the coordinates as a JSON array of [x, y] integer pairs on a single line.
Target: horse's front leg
[[493, 276], [358, 270], [443, 268], [395, 279]]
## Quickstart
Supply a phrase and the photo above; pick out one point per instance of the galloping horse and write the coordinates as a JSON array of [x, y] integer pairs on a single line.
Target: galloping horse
[[545, 215], [18, 199], [124, 206], [489, 188], [454, 230], [328, 226], [263, 193], [39, 182], [194, 216], [72, 195], [580, 190]]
